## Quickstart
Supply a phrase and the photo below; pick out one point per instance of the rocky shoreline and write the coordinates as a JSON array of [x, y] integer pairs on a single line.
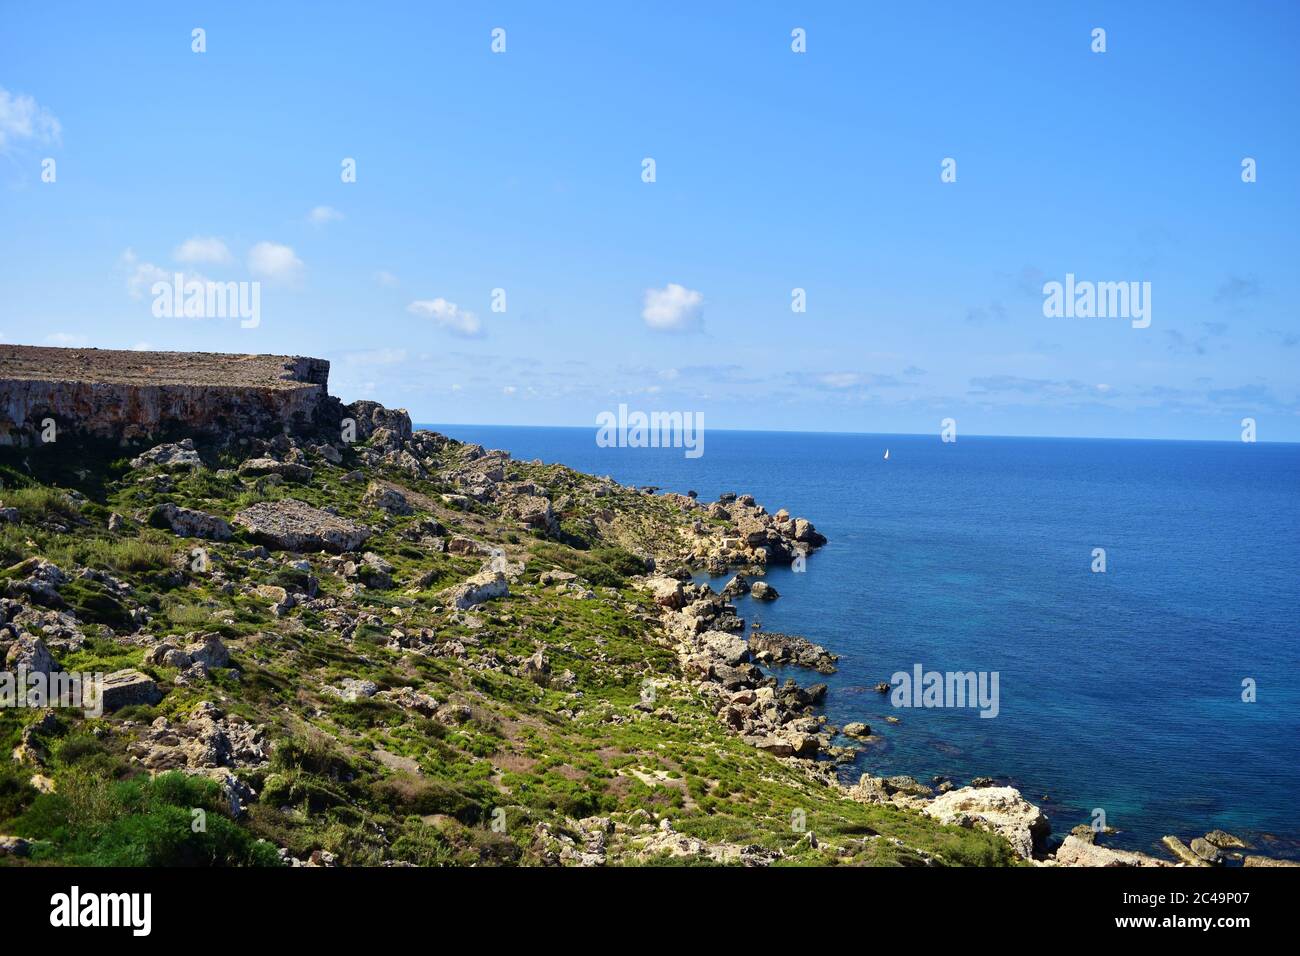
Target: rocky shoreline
[[780, 719]]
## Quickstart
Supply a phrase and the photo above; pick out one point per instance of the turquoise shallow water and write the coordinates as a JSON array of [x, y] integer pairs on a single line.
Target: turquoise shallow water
[[1119, 691]]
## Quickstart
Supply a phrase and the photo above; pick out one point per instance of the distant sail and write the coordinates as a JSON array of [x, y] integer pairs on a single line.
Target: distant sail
[[886, 454]]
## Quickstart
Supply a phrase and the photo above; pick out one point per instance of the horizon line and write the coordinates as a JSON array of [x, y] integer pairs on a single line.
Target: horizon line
[[805, 431]]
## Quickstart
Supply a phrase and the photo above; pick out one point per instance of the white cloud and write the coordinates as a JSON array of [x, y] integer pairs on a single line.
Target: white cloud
[[840, 379], [270, 260], [508, 390], [22, 118], [673, 308], [387, 279], [448, 315], [140, 276], [202, 249], [322, 215]]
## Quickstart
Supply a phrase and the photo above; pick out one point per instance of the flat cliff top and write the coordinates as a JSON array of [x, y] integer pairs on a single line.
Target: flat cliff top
[[125, 367]]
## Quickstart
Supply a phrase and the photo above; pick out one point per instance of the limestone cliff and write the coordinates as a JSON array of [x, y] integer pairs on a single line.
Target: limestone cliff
[[126, 395]]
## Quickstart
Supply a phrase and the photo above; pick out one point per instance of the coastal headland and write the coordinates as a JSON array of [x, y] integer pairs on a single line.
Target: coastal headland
[[337, 640]]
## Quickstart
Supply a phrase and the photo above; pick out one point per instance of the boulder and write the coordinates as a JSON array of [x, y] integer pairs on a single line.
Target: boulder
[[172, 456], [771, 647], [392, 424], [762, 591], [1225, 840], [290, 471], [127, 688], [1267, 861], [189, 523], [532, 510], [908, 786], [728, 648], [777, 746], [484, 586], [1078, 851], [467, 546], [537, 669], [857, 729], [271, 592], [31, 654], [1182, 851], [805, 532], [352, 689], [168, 655], [1000, 809], [209, 650], [296, 526], [737, 586], [667, 592], [386, 499], [556, 577], [1207, 851]]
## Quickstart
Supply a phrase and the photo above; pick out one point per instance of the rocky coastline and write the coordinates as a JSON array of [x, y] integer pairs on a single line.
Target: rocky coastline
[[780, 719], [352, 642]]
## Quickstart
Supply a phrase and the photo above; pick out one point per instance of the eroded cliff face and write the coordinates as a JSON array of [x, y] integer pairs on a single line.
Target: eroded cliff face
[[127, 395]]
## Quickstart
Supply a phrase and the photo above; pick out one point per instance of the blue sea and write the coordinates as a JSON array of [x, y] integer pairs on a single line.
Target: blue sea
[[1120, 691]]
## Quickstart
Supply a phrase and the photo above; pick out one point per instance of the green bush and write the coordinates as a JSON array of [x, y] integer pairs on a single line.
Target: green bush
[[412, 795], [16, 794], [139, 822], [37, 502]]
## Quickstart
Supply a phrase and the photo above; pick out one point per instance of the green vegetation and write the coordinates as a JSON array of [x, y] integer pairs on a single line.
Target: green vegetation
[[168, 820], [495, 765]]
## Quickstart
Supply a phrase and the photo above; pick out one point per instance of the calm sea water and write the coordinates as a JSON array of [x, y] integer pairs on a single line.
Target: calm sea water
[[1120, 691]]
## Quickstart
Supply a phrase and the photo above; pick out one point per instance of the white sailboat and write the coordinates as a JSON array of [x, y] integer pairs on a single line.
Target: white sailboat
[[886, 454]]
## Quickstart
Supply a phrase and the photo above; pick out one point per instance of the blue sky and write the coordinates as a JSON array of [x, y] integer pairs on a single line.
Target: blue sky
[[774, 170]]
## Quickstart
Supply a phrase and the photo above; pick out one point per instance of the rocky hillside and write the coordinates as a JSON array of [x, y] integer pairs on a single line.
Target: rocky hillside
[[403, 650], [373, 646]]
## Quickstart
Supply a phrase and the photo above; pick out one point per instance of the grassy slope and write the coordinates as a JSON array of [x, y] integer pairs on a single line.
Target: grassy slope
[[520, 748]]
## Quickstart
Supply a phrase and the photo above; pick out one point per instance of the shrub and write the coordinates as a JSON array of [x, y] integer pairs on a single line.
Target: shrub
[[412, 795], [16, 794], [37, 502], [139, 822]]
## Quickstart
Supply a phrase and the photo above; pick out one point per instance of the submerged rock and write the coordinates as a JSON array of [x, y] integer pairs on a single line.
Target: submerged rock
[[1225, 840], [1184, 853]]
